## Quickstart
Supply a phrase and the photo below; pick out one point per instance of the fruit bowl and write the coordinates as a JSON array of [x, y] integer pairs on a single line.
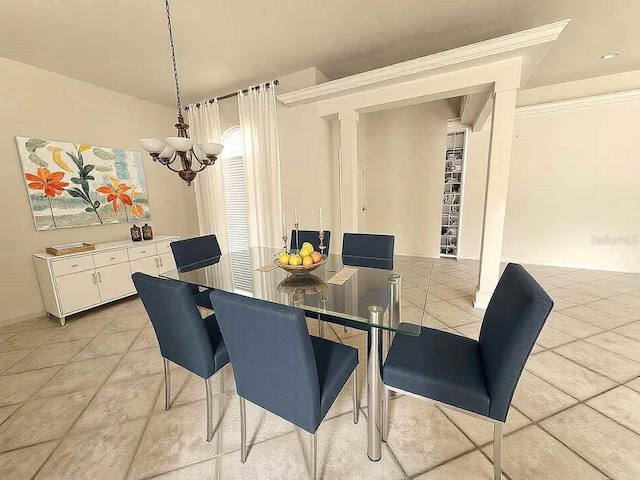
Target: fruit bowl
[[300, 269]]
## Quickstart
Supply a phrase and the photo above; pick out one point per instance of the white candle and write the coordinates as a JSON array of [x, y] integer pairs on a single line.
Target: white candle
[[284, 223], [321, 221], [295, 214]]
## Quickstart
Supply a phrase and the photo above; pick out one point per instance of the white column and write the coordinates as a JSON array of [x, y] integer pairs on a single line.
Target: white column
[[349, 171], [504, 104]]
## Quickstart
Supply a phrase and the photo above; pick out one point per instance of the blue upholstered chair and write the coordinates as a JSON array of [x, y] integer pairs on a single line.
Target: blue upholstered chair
[[311, 236], [475, 377], [367, 250], [280, 367], [185, 338], [195, 252]]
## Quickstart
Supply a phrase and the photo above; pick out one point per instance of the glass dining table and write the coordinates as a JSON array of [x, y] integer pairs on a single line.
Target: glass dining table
[[371, 299]]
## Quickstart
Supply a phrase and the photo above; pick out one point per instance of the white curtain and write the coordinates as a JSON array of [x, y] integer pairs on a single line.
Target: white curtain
[[259, 124], [204, 126]]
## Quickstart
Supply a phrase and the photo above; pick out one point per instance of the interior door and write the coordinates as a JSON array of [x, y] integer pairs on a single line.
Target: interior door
[[362, 207], [114, 281], [78, 291], [148, 265]]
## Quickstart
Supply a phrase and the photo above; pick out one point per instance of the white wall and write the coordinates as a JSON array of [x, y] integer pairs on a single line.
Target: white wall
[[574, 175], [46, 105], [404, 151]]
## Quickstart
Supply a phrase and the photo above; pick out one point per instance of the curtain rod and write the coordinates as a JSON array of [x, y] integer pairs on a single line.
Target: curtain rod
[[235, 94]]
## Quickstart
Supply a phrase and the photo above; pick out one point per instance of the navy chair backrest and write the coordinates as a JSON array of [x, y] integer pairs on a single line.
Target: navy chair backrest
[[367, 250], [194, 250], [272, 356], [514, 318], [310, 236], [181, 332]]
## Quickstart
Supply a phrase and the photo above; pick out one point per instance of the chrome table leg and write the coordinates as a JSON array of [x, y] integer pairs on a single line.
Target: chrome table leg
[[395, 284], [321, 328], [385, 414], [207, 383], [374, 385], [356, 406], [167, 385], [243, 430]]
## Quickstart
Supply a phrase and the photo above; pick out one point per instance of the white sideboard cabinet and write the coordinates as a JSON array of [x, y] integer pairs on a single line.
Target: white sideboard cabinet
[[76, 282]]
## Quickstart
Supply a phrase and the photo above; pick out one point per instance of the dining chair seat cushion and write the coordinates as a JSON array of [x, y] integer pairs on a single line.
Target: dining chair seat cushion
[[335, 363], [441, 366], [220, 354], [203, 299]]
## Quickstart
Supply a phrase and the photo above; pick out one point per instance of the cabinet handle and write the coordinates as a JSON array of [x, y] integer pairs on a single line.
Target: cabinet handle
[[143, 251], [160, 258], [99, 278], [112, 258], [74, 265], [94, 278], [157, 263]]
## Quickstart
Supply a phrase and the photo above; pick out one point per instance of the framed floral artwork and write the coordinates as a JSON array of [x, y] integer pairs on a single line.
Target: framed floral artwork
[[77, 185]]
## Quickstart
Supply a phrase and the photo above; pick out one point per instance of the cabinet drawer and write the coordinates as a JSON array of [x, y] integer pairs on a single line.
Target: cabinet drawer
[[142, 251], [72, 265], [163, 247], [110, 258]]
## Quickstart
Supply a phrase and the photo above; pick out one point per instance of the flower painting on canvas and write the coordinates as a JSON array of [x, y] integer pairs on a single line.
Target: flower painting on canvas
[[76, 185]]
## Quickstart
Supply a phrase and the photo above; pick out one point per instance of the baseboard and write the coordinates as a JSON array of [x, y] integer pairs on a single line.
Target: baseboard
[[21, 318], [559, 265]]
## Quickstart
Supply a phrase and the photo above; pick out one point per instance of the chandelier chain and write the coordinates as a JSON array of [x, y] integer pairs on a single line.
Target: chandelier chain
[[173, 59]]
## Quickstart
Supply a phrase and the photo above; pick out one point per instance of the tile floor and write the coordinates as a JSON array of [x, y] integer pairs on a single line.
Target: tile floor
[[86, 401]]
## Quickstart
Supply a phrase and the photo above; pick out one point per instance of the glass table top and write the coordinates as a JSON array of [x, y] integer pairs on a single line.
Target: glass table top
[[240, 272]]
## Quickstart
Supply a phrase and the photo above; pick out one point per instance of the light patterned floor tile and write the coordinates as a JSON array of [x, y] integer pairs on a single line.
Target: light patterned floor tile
[[622, 404], [601, 360], [568, 376], [76, 376], [601, 441], [533, 454], [596, 317], [619, 344], [104, 453], [20, 386], [572, 326], [481, 431], [207, 470], [25, 462], [138, 363], [421, 436], [175, 439], [120, 402], [10, 358], [49, 356], [551, 337], [28, 339], [42, 420], [472, 466], [538, 399], [105, 345], [631, 330]]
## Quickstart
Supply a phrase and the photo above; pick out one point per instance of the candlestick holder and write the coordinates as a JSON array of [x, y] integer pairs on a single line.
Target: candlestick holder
[[284, 239], [297, 237], [321, 246]]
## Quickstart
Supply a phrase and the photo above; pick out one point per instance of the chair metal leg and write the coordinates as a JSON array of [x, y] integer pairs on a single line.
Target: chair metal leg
[[222, 379], [243, 430], [497, 451], [374, 386], [167, 385], [207, 384], [321, 328], [313, 460], [385, 414], [356, 404]]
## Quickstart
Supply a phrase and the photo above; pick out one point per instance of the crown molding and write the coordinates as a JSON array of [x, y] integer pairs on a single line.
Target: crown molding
[[582, 102], [495, 46]]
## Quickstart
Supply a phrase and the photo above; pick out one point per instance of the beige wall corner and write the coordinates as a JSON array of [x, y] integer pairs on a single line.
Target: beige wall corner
[[43, 104]]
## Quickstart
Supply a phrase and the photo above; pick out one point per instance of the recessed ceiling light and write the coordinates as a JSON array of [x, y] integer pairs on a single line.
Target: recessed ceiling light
[[610, 55]]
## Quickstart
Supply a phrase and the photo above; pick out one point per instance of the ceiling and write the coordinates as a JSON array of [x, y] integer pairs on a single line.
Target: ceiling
[[222, 46]]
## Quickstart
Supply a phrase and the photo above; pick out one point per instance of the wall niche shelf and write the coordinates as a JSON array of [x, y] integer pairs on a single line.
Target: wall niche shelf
[[454, 163]]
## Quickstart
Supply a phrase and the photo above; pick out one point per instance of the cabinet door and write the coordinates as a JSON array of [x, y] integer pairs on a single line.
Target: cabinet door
[[114, 281], [148, 265], [78, 291], [167, 262]]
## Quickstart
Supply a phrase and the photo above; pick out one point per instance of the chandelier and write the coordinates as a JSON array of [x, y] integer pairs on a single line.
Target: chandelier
[[181, 147]]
